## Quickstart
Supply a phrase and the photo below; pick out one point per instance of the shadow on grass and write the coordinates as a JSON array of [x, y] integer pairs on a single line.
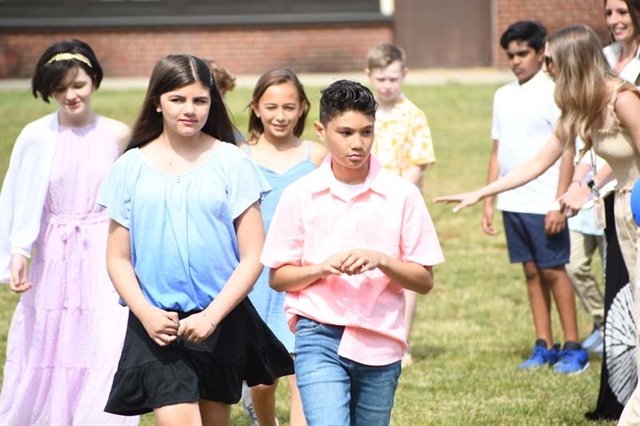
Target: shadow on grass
[[427, 352]]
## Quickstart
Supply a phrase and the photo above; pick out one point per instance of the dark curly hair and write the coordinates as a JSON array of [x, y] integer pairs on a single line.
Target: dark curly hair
[[345, 95]]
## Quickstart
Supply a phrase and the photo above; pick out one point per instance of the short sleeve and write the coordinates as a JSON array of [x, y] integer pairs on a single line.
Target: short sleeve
[[495, 129], [553, 112], [284, 242], [421, 151], [115, 194], [245, 183], [419, 241]]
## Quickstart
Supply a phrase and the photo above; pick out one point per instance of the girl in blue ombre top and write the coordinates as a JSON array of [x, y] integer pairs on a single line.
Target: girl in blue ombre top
[[184, 242]]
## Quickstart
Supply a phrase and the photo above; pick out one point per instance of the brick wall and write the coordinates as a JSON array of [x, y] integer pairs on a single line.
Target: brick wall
[[132, 53], [553, 14], [251, 50]]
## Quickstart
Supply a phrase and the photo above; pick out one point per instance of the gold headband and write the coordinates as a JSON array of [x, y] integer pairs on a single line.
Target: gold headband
[[68, 57]]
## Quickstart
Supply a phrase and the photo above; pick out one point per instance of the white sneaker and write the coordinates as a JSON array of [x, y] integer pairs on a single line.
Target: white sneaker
[[247, 405], [593, 343]]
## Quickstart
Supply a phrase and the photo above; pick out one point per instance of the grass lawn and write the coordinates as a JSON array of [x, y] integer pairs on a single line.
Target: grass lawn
[[473, 329]]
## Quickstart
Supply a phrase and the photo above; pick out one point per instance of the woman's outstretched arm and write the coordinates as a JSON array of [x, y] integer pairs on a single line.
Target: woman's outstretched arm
[[525, 173]]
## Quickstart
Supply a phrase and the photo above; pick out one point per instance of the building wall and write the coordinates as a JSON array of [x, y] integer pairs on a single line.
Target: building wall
[[243, 50], [131, 52], [432, 40], [553, 14]]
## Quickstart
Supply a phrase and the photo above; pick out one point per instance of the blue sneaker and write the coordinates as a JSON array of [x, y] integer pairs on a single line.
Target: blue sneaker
[[553, 355], [541, 356], [573, 359], [594, 340]]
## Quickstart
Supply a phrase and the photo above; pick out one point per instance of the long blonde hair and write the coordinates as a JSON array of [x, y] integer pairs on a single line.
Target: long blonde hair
[[581, 72]]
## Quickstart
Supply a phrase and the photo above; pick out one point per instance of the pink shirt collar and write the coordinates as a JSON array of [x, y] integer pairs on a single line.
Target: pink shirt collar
[[313, 222], [324, 179]]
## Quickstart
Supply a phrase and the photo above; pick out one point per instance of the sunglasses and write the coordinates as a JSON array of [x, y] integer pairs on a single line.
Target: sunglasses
[[548, 60]]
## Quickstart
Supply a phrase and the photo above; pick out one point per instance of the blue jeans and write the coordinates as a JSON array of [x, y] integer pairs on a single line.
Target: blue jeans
[[335, 390]]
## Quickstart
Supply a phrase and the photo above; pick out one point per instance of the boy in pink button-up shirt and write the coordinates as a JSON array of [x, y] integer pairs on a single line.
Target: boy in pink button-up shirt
[[345, 242]]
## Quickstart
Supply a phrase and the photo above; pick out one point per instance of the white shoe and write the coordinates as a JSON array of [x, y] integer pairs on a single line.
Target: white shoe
[[247, 405]]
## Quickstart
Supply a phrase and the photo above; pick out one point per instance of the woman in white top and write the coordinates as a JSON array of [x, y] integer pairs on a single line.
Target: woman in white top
[[623, 21]]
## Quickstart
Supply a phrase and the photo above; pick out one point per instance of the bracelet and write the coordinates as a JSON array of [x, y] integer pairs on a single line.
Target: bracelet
[[210, 322], [579, 182]]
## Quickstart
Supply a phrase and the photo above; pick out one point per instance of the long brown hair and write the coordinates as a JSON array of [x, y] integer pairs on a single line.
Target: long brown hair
[[273, 78], [581, 72], [172, 72], [633, 6]]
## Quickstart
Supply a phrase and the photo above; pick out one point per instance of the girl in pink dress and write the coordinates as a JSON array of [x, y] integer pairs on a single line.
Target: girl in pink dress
[[67, 330]]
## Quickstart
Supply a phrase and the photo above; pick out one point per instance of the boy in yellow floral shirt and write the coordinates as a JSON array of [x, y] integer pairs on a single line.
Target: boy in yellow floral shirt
[[402, 141]]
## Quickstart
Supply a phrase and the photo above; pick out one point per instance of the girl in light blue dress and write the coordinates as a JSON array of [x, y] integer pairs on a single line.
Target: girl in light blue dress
[[279, 108]]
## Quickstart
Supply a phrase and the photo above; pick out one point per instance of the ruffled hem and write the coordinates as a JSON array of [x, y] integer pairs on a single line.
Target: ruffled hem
[[242, 349], [155, 384], [611, 130], [271, 364]]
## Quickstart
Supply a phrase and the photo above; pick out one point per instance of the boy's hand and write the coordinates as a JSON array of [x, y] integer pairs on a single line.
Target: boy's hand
[[162, 326], [554, 222], [359, 261], [195, 328], [333, 265], [487, 220]]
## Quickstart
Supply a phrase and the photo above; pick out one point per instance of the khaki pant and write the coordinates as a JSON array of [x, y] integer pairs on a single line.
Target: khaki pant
[[583, 247]]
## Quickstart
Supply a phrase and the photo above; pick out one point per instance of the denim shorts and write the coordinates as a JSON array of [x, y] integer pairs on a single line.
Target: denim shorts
[[335, 390], [527, 241]]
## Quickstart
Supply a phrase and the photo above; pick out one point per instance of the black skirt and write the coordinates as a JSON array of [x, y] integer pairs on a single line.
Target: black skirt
[[241, 348]]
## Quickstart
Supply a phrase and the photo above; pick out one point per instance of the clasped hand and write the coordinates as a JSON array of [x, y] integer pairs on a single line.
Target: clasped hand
[[164, 327], [352, 262]]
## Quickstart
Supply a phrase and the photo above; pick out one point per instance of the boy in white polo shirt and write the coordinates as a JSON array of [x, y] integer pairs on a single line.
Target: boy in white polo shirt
[[524, 116]]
